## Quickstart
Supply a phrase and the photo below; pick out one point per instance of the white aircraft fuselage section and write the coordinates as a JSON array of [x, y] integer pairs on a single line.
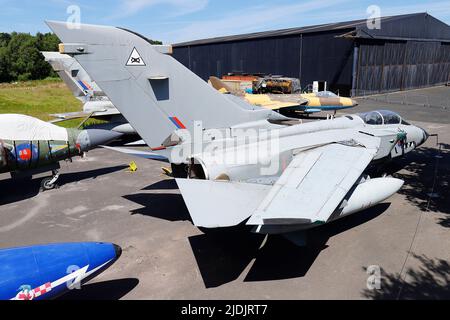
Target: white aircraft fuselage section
[[324, 160], [281, 145]]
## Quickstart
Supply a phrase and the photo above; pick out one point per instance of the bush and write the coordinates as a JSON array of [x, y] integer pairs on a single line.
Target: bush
[[24, 77]]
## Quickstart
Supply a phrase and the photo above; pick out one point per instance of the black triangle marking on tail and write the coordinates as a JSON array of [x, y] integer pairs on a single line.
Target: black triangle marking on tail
[[135, 59]]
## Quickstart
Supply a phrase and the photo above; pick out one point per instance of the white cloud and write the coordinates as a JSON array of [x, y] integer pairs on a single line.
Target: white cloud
[[435, 8], [270, 17], [176, 7], [251, 19]]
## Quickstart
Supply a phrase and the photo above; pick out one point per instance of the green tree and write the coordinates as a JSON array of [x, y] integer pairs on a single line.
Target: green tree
[[4, 62], [47, 42], [4, 39], [4, 65], [25, 60], [20, 57]]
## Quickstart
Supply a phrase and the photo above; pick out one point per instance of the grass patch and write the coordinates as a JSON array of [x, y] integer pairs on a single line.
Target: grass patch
[[39, 99]]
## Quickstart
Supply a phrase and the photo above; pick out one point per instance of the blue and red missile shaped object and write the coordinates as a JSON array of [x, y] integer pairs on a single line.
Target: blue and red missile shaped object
[[48, 271]]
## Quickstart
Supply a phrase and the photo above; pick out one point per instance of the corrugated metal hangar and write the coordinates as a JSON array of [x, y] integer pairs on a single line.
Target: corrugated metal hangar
[[407, 52]]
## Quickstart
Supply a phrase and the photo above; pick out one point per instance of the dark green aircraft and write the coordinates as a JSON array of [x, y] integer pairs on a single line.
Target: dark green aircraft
[[29, 146]]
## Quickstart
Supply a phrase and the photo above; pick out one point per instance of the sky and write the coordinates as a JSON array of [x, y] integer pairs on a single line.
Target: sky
[[173, 21]]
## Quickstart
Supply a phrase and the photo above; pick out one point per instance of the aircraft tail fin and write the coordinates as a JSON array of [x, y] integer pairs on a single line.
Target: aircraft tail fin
[[223, 87], [153, 91], [65, 66], [73, 75]]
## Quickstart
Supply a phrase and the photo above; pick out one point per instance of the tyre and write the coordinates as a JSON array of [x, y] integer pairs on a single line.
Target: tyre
[[46, 185]]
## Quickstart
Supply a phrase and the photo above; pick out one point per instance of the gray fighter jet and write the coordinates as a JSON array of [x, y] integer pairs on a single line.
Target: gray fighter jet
[[236, 163]]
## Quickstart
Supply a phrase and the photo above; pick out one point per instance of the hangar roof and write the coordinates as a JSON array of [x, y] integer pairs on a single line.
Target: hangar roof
[[417, 26]]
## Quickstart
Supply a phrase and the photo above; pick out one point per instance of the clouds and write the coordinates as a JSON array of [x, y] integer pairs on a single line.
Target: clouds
[[434, 8], [252, 19], [272, 16], [175, 7], [181, 20]]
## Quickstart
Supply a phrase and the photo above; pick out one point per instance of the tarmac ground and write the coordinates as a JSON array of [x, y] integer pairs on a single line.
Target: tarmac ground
[[407, 238]]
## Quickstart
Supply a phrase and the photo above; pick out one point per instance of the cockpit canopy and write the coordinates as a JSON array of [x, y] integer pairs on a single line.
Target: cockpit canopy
[[326, 94], [381, 117]]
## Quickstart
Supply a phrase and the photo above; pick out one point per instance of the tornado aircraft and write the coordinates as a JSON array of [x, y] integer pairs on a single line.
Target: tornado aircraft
[[236, 163], [29, 146]]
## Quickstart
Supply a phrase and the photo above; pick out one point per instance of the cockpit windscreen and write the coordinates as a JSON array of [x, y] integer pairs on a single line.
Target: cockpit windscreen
[[381, 117], [326, 94]]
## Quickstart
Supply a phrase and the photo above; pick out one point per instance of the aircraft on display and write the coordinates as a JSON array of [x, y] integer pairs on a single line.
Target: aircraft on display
[[48, 271], [236, 163], [95, 104], [29, 146], [290, 104]]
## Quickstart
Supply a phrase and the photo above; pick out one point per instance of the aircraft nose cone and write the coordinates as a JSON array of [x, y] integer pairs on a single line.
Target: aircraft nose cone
[[395, 184], [98, 137], [354, 103], [118, 250], [425, 134]]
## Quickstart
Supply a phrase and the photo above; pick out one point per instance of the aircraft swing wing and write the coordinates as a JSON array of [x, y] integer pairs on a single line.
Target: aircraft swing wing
[[310, 190], [139, 153], [267, 102], [60, 117], [313, 185]]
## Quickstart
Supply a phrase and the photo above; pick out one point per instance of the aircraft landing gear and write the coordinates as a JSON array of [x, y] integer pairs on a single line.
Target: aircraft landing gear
[[50, 182]]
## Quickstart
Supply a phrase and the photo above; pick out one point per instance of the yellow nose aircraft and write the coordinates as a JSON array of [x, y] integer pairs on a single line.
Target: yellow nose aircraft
[[290, 103]]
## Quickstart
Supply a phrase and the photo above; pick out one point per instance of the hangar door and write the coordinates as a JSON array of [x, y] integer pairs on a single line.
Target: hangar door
[[386, 66]]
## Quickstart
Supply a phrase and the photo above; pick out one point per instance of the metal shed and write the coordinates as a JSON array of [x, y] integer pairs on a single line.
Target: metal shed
[[407, 52]]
